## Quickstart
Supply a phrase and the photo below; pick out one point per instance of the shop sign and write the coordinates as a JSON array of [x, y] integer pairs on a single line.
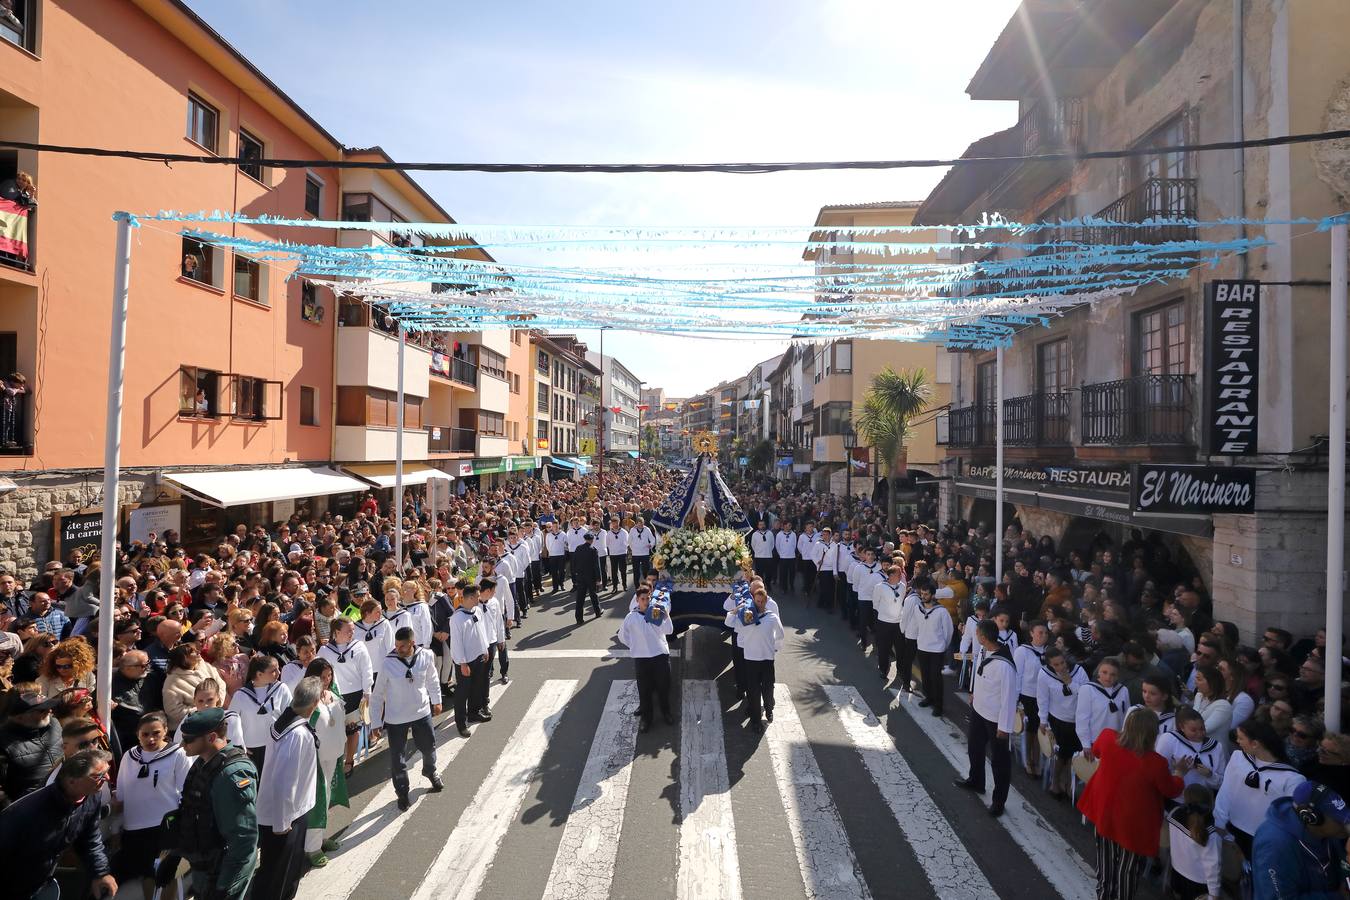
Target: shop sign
[[157, 518], [82, 531], [1232, 366], [465, 469], [1109, 479], [1194, 490], [586, 446]]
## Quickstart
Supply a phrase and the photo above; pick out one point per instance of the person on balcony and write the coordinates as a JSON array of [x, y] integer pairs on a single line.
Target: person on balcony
[[11, 410]]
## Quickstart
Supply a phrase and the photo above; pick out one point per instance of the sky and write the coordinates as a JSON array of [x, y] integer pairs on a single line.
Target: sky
[[625, 81]]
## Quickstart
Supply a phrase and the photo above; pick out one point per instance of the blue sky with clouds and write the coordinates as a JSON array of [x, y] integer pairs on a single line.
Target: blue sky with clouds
[[638, 81]]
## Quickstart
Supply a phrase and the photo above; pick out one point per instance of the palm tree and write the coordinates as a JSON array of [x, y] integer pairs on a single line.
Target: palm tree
[[892, 401], [761, 457]]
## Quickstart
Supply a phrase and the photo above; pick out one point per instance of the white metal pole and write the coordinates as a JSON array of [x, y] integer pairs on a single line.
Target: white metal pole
[[1340, 250], [431, 502], [112, 461], [398, 454], [998, 466]]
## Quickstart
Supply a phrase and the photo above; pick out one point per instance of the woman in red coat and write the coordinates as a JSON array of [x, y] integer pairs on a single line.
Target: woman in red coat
[[1124, 801]]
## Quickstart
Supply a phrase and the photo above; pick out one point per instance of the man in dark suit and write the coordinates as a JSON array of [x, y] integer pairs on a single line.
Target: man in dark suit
[[586, 576]]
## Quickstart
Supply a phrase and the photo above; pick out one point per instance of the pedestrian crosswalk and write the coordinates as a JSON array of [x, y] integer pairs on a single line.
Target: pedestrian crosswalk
[[833, 781]]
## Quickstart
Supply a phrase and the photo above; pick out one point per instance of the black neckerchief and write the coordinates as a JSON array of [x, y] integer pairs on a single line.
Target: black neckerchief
[[407, 665], [392, 617], [138, 755], [371, 631], [1253, 778], [290, 718], [1209, 746], [895, 592], [342, 654], [999, 652], [1110, 696], [1039, 651], [928, 611], [263, 705]]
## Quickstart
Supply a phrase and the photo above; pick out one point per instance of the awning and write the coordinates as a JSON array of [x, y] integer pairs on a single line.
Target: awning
[[382, 474], [563, 462], [633, 454], [7, 485], [239, 487]]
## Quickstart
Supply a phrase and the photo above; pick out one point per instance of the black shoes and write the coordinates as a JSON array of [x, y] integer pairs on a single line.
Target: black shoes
[[464, 731], [768, 714], [436, 784], [925, 703], [403, 803], [996, 810], [968, 785], [482, 716]]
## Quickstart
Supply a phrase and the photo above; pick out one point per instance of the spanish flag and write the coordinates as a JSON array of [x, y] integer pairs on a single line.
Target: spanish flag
[[13, 229]]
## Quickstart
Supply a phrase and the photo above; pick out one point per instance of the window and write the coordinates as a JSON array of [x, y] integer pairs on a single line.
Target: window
[[19, 26], [541, 430], [1160, 340], [492, 362], [309, 406], [311, 310], [201, 263], [251, 151], [1171, 164], [1052, 367], [541, 363], [202, 122], [491, 423], [559, 379], [248, 279], [541, 402], [376, 408], [515, 337], [515, 383], [313, 196], [834, 418], [984, 384], [571, 410], [198, 392], [249, 398]]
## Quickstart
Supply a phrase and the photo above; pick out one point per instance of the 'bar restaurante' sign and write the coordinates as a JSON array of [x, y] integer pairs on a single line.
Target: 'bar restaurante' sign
[[1194, 490], [1232, 366]]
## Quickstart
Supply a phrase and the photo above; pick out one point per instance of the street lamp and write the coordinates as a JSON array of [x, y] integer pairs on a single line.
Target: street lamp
[[850, 441]]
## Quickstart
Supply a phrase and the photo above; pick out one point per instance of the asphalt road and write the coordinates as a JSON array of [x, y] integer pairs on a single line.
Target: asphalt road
[[848, 794]]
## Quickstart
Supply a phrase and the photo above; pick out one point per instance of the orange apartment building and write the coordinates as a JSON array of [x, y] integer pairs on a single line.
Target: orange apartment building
[[247, 395]]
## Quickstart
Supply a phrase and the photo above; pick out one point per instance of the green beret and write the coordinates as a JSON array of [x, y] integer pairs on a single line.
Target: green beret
[[201, 722]]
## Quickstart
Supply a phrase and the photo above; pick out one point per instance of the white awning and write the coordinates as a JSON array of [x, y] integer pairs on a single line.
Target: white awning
[[239, 487], [382, 474]]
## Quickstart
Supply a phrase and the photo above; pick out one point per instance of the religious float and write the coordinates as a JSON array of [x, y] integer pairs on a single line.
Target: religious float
[[702, 550]]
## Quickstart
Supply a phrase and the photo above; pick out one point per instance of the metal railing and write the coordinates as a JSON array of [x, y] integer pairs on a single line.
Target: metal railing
[[28, 231], [452, 440], [1055, 126], [1146, 409], [14, 425], [1155, 198], [1036, 420], [971, 426]]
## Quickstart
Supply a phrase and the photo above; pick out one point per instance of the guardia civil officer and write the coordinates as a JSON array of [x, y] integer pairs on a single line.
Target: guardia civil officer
[[993, 703], [402, 702], [217, 822]]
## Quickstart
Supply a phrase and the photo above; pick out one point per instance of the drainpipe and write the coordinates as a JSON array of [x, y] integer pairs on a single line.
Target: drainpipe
[[1239, 159]]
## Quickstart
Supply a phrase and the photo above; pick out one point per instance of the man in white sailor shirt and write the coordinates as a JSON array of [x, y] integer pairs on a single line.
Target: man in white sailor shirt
[[993, 703], [402, 703], [520, 571], [614, 539], [909, 639], [498, 612], [761, 547], [806, 552], [555, 545], [934, 627], [827, 569], [760, 634], [534, 540], [785, 548], [641, 543], [866, 576], [286, 793], [643, 632], [468, 649], [888, 599]]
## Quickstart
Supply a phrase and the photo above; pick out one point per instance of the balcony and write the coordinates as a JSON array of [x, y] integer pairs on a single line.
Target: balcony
[[14, 432], [1045, 127], [460, 372], [971, 426], [1036, 420], [19, 249], [1146, 409], [1154, 198], [448, 439]]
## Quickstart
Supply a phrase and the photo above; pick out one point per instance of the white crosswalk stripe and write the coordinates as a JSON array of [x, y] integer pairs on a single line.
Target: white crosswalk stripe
[[595, 810], [708, 866], [829, 868], [951, 871], [1062, 866], [583, 868], [463, 861], [376, 826]]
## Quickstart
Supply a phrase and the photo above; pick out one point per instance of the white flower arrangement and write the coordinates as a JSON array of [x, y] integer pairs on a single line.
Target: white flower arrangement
[[707, 555]]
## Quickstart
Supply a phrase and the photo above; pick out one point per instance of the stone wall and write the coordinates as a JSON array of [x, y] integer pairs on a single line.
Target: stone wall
[[26, 525], [1270, 568]]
